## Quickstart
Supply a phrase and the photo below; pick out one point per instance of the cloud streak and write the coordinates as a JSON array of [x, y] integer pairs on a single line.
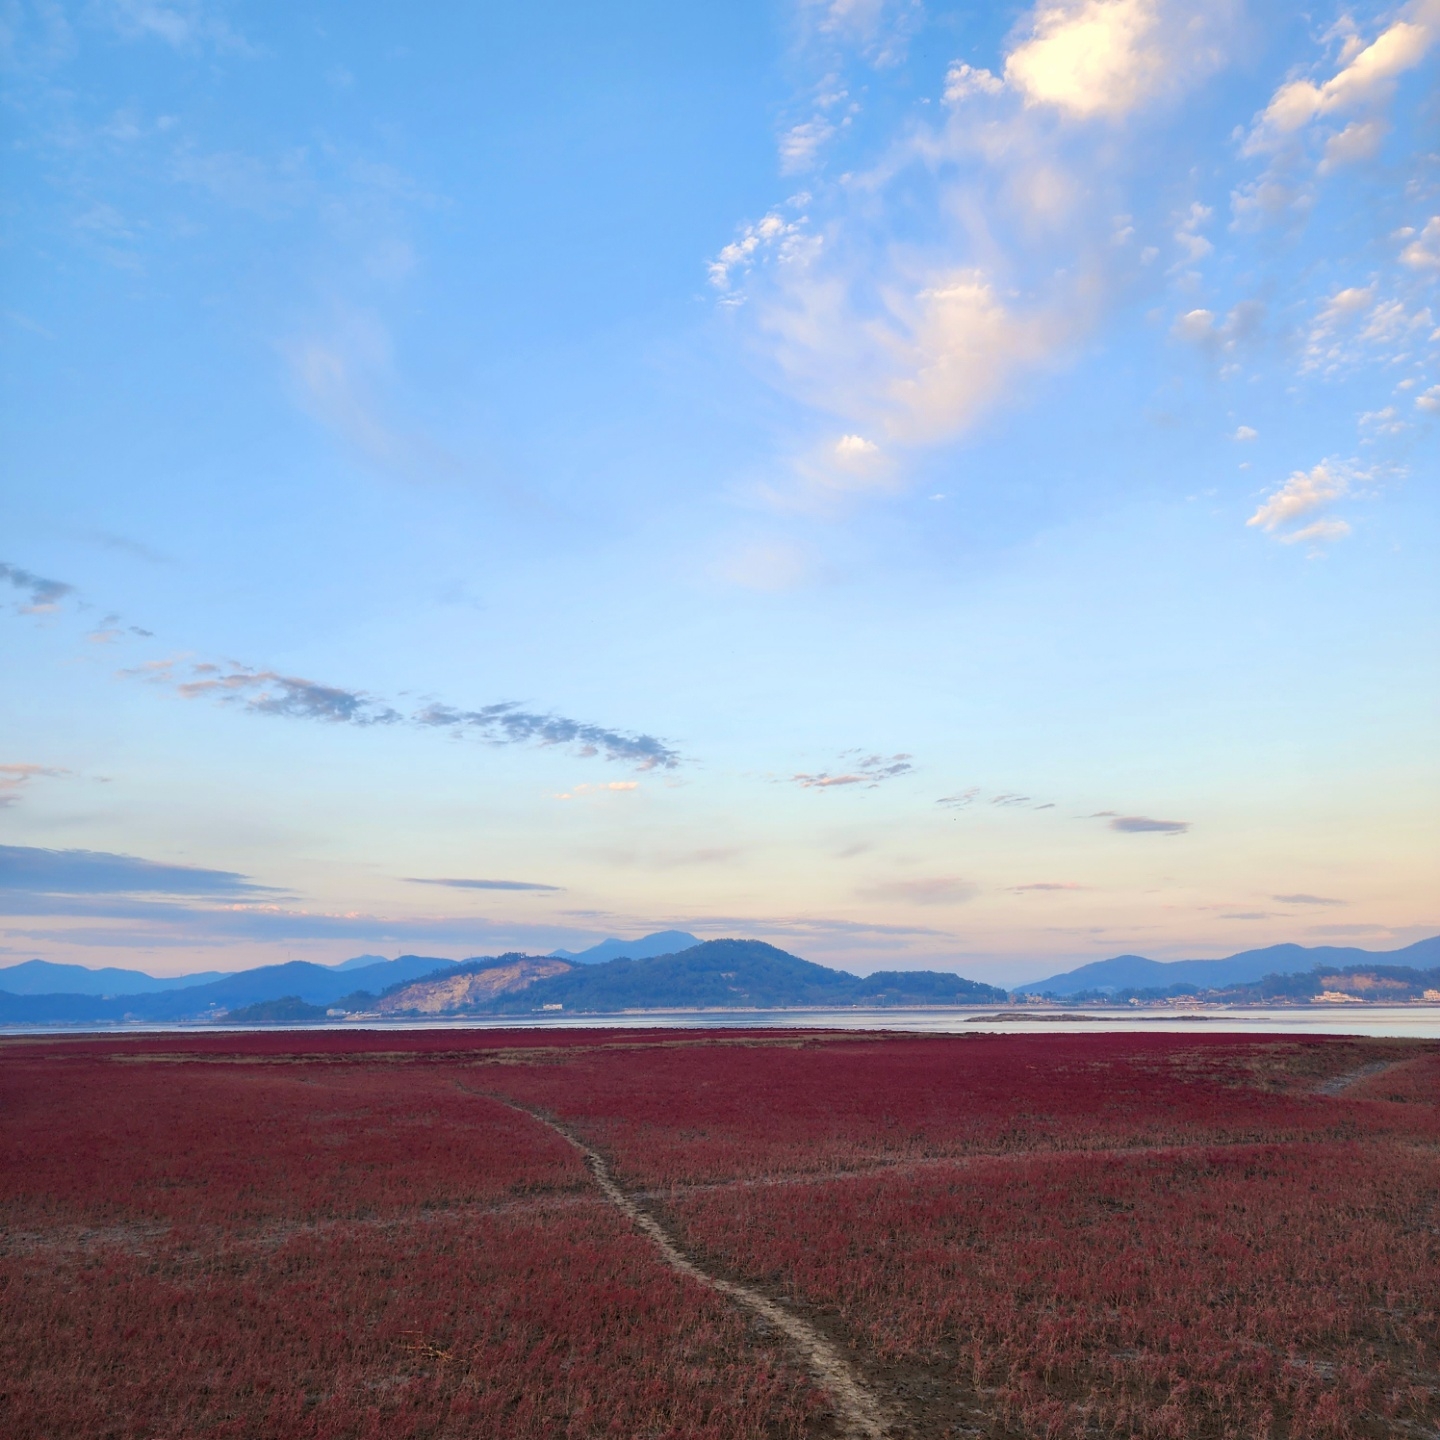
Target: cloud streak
[[929, 890], [867, 771], [43, 596], [1145, 825], [14, 778], [484, 884], [508, 724], [25, 868], [270, 692]]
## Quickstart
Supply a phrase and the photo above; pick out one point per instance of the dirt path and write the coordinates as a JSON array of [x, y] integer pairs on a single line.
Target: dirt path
[[857, 1411], [1341, 1083]]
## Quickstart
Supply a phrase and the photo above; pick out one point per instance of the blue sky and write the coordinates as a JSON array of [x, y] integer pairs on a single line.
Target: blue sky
[[924, 485]]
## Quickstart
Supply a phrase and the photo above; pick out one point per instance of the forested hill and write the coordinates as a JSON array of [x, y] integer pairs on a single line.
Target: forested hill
[[721, 974]]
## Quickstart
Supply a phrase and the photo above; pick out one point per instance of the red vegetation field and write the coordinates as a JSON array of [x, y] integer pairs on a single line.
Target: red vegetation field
[[341, 1234]]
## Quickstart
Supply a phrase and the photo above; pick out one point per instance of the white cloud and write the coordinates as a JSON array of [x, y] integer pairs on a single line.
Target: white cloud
[[801, 144], [1359, 140], [1244, 432], [1366, 78], [739, 255], [1424, 253], [1194, 246], [1320, 530], [833, 471], [962, 81], [1016, 232], [1207, 330], [1356, 323], [1105, 58], [1429, 401], [879, 29], [183, 24], [1302, 495], [1386, 421]]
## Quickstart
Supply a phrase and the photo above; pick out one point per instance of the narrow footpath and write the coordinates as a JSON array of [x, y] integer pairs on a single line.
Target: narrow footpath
[[858, 1412], [1341, 1083]]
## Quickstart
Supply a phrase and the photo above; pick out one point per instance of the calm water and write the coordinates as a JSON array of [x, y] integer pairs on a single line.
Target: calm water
[[1421, 1021]]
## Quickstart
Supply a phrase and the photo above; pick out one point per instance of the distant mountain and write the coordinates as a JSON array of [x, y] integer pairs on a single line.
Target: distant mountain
[[360, 961], [662, 942], [716, 974], [312, 984], [41, 977], [1135, 972]]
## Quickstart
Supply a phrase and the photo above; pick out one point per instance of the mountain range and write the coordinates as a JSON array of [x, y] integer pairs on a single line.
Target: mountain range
[[649, 973], [1135, 972], [662, 942], [709, 975]]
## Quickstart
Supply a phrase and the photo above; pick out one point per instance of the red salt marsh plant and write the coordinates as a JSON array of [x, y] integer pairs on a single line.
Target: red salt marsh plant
[[677, 1114], [340, 1235], [245, 1250], [1250, 1290], [1150, 1236]]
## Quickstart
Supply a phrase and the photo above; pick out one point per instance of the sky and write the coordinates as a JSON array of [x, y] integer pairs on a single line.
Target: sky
[[925, 485]]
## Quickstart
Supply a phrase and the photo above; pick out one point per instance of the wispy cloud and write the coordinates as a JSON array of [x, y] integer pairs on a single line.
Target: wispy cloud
[[575, 792], [43, 596], [1306, 900], [1045, 885], [1358, 323], [865, 770], [1364, 79], [929, 890], [97, 872], [181, 24], [961, 800], [263, 691], [1422, 252], [340, 378], [267, 692], [485, 884], [1145, 825], [14, 778], [508, 724], [1006, 200], [1307, 493], [1004, 800]]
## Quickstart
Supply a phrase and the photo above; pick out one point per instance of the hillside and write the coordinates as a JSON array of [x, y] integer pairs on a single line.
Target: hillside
[[1375, 983], [475, 985], [1135, 972], [716, 974]]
